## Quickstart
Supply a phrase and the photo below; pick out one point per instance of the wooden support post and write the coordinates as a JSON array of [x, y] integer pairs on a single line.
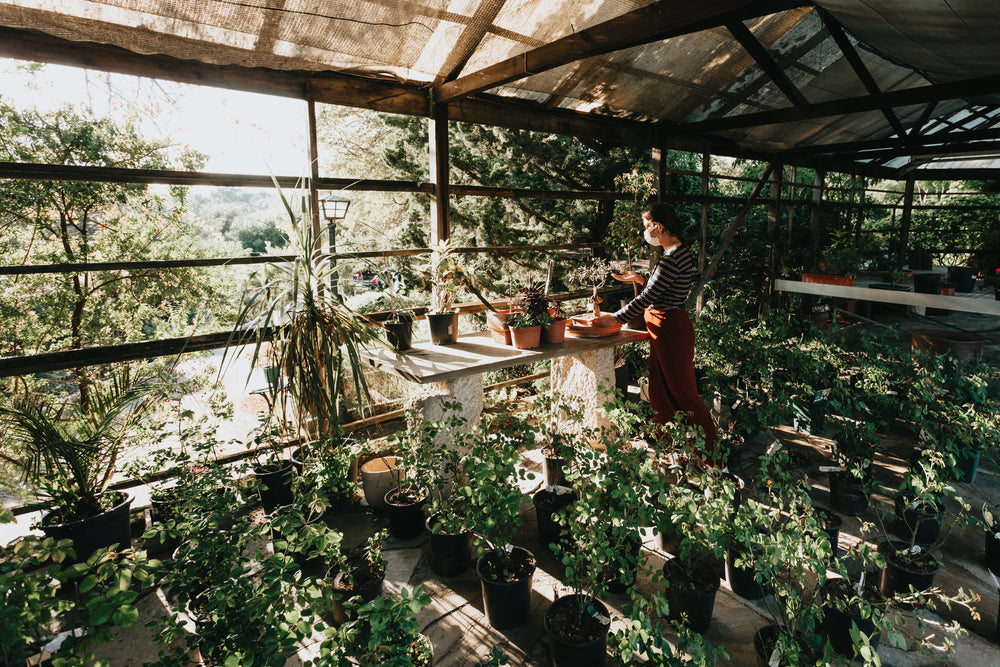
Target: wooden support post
[[660, 182], [904, 222], [706, 164], [728, 235], [773, 221], [439, 171], [815, 217], [791, 201], [861, 212], [850, 204]]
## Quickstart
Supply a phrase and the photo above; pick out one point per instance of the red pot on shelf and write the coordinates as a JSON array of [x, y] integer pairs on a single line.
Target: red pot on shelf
[[526, 339]]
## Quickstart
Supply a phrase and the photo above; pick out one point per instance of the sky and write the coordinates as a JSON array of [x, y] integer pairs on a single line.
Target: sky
[[240, 132]]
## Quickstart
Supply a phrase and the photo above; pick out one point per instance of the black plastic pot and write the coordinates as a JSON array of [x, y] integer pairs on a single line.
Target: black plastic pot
[[160, 512], [966, 466], [962, 277], [694, 605], [451, 554], [741, 579], [764, 641], [837, 626], [507, 603], [993, 553], [107, 529], [898, 578], [399, 334], [832, 524], [443, 328], [567, 652], [275, 486], [553, 469], [847, 494], [926, 519], [926, 283], [406, 517], [367, 591], [546, 505]]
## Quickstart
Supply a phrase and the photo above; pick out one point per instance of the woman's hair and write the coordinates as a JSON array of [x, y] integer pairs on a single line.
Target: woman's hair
[[667, 216]]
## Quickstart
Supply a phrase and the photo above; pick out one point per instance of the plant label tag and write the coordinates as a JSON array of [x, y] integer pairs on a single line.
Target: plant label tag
[[775, 446], [599, 617], [737, 404], [915, 504], [775, 659], [912, 551], [831, 469], [860, 586], [508, 548], [560, 490]]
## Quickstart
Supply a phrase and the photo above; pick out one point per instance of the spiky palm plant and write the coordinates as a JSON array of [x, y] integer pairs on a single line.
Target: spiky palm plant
[[70, 452], [314, 337]]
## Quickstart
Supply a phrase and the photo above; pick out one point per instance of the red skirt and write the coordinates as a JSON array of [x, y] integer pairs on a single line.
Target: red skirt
[[672, 387]]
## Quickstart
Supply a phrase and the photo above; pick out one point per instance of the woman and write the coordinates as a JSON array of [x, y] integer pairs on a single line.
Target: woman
[[672, 386]]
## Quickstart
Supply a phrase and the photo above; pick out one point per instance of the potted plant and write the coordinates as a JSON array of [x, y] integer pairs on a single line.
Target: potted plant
[[839, 261], [594, 274], [361, 574], [555, 331], [493, 511], [71, 452], [853, 451], [294, 319], [533, 314], [384, 632], [444, 276], [579, 622], [399, 325]]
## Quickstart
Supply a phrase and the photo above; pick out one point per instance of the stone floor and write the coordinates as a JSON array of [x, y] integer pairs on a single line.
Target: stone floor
[[456, 624]]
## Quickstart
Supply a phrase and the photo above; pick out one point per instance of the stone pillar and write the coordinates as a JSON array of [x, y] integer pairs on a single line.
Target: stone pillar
[[580, 378], [429, 403]]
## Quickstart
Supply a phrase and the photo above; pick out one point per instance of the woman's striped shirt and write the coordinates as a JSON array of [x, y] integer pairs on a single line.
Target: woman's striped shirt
[[667, 288]]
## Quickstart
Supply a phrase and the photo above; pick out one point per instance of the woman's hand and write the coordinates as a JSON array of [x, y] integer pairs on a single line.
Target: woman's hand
[[604, 321], [629, 277]]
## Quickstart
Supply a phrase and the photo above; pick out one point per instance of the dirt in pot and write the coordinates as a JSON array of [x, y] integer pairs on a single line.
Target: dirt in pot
[[518, 566], [573, 627]]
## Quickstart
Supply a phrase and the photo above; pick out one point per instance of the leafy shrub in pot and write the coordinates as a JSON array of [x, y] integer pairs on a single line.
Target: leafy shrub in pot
[[70, 454], [493, 511]]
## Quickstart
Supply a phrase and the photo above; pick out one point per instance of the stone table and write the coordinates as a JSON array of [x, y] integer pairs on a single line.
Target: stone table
[[580, 368]]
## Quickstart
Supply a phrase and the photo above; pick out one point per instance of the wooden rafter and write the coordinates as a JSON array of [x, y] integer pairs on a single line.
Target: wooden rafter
[[925, 116], [916, 143], [658, 21], [475, 30], [767, 63], [839, 35], [983, 85]]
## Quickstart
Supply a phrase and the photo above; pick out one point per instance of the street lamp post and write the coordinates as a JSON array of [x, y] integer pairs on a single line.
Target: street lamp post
[[334, 209]]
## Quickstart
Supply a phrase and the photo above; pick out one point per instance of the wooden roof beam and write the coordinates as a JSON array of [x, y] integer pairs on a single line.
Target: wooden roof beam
[[839, 35], [916, 144], [653, 23], [767, 63], [984, 85]]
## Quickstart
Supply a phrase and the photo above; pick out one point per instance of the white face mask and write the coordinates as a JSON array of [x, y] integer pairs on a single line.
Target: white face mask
[[651, 240]]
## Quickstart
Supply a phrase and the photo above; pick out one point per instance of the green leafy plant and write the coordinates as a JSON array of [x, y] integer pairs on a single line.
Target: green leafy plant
[[314, 338], [443, 275], [71, 452], [493, 497], [385, 632]]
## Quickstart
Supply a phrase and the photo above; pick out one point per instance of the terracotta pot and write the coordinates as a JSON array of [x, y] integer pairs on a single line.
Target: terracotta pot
[[526, 339], [555, 332], [961, 346], [824, 279]]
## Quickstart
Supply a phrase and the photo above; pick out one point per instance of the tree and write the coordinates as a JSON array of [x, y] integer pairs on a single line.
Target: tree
[[61, 222]]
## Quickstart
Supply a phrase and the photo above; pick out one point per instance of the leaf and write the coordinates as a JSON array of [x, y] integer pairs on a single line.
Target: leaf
[[88, 583], [125, 616]]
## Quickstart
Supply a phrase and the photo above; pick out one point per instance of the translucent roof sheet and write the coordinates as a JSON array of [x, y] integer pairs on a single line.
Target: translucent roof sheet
[[697, 76]]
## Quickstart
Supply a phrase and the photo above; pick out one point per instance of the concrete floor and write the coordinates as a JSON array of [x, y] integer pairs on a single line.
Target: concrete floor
[[455, 621], [456, 624]]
